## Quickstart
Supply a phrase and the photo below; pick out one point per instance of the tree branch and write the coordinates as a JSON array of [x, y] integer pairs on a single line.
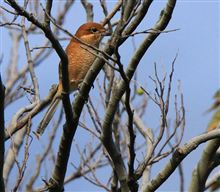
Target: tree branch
[[49, 4], [204, 166], [2, 134], [30, 61], [15, 126], [179, 154], [89, 10]]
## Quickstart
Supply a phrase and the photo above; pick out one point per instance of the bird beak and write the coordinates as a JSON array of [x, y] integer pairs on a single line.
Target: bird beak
[[106, 33]]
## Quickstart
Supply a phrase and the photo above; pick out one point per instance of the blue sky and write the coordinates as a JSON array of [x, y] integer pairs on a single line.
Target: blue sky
[[197, 67]]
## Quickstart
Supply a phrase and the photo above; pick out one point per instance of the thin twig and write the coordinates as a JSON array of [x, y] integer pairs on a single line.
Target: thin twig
[[30, 62], [89, 10]]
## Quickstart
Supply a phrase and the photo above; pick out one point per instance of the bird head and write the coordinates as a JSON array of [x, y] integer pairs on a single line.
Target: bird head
[[91, 33]]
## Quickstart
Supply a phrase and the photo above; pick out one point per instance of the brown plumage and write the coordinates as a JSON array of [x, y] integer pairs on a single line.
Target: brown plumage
[[79, 62]]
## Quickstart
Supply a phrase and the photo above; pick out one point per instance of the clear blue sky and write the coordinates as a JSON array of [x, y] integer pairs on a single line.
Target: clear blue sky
[[197, 67]]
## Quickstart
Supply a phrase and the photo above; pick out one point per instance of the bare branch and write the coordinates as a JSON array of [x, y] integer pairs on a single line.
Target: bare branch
[[14, 127], [49, 5], [213, 182], [22, 167], [30, 61], [114, 11], [205, 164], [89, 10], [2, 134], [179, 154], [12, 152]]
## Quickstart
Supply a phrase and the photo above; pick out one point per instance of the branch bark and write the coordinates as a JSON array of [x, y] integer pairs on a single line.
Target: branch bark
[[204, 166], [2, 134], [179, 154]]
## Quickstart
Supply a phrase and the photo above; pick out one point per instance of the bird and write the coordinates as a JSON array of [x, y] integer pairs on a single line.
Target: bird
[[80, 60]]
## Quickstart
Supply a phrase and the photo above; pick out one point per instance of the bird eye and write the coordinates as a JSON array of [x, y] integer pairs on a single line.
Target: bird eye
[[93, 30]]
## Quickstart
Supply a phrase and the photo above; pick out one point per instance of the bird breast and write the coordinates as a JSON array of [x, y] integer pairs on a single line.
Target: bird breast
[[80, 60]]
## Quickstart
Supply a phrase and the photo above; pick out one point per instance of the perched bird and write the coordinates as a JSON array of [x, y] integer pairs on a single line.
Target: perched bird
[[80, 60]]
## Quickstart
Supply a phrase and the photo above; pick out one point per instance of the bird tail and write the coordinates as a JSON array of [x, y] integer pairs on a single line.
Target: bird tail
[[48, 116]]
